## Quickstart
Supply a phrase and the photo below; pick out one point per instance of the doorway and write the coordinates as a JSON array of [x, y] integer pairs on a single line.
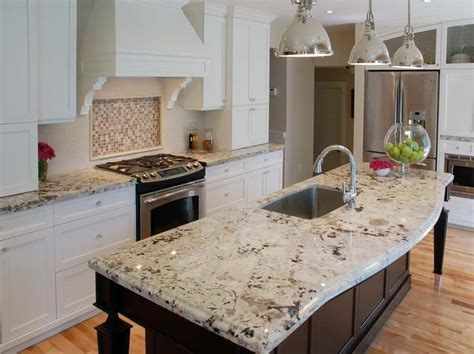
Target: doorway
[[333, 114]]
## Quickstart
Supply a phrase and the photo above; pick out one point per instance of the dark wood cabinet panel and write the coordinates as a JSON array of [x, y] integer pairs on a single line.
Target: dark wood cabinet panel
[[297, 343], [338, 315], [395, 274], [370, 298]]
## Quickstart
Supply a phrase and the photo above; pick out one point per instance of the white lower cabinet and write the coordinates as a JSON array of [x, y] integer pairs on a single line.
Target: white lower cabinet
[[75, 289], [260, 176], [45, 281], [27, 283]]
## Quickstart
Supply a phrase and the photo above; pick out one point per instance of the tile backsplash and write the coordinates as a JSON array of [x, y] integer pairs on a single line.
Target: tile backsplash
[[124, 125]]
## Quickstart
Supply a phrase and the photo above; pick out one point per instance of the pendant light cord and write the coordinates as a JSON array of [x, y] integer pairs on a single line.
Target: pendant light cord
[[370, 21], [409, 32]]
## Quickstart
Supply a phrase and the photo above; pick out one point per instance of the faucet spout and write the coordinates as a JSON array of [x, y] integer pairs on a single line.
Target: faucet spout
[[348, 196]]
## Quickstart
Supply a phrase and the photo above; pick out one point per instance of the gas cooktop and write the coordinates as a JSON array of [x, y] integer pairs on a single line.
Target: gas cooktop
[[155, 168]]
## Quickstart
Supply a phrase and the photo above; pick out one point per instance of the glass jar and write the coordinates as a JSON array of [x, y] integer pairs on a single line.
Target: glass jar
[[208, 141], [407, 144]]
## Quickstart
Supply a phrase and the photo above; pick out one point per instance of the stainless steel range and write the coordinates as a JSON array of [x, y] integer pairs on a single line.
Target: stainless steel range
[[170, 191]]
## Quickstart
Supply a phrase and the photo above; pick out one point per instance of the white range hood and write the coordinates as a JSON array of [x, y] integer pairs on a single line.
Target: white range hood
[[139, 38]]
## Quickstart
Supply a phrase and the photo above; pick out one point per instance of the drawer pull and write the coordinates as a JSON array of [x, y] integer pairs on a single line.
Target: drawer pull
[[4, 249], [226, 170], [98, 203], [266, 160], [98, 236], [226, 194]]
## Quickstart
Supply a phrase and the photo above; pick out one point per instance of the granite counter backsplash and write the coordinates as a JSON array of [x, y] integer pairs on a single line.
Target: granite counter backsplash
[[65, 186], [225, 156]]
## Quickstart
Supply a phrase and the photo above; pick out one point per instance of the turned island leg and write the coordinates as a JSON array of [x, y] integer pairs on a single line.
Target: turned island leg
[[113, 336]]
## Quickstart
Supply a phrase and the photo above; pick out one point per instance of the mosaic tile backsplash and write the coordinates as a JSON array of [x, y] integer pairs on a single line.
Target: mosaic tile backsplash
[[125, 125]]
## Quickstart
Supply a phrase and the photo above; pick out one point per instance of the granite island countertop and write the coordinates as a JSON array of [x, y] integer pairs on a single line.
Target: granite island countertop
[[224, 156], [65, 186], [254, 276]]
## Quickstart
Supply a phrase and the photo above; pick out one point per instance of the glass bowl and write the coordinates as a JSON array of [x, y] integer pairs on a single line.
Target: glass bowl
[[407, 144]]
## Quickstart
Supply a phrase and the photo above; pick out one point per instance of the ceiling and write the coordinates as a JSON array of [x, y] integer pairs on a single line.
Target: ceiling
[[388, 13]]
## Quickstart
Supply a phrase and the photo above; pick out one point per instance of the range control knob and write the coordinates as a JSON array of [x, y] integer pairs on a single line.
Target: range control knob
[[196, 164], [189, 166], [153, 174], [145, 176]]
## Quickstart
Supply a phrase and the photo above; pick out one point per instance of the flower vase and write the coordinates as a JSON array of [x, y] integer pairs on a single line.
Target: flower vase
[[42, 170]]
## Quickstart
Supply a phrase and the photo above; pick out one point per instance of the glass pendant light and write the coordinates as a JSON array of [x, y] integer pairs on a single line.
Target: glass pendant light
[[304, 37], [408, 56], [370, 50]]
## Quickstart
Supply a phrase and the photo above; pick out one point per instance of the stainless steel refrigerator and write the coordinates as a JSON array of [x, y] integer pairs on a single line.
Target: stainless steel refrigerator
[[396, 97]]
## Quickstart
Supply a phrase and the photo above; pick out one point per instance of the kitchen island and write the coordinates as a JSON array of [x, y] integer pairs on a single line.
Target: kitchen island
[[249, 280]]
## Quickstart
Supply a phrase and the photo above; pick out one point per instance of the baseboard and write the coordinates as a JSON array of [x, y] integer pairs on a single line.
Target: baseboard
[[27, 340]]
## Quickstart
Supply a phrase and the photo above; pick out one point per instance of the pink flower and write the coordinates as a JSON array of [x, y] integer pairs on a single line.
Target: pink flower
[[381, 164], [45, 151]]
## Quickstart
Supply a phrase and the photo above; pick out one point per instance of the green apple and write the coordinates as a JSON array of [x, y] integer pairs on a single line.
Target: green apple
[[407, 151], [395, 153], [414, 146], [389, 147], [415, 157]]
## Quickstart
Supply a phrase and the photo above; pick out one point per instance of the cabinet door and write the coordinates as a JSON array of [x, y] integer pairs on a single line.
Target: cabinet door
[[240, 128], [56, 60], [258, 125], [18, 61], [27, 283], [228, 193], [241, 62], [215, 41], [254, 184], [457, 102], [259, 64], [273, 179], [458, 45], [18, 158]]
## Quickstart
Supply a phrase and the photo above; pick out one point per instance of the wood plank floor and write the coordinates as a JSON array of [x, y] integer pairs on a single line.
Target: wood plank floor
[[429, 320]]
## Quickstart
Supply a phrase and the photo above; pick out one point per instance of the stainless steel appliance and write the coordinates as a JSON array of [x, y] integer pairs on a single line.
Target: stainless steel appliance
[[397, 97], [462, 167], [170, 191]]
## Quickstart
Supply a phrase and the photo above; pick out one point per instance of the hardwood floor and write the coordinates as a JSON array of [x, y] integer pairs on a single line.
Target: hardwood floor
[[429, 320]]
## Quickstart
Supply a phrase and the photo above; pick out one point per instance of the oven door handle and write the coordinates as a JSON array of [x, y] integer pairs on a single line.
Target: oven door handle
[[172, 194]]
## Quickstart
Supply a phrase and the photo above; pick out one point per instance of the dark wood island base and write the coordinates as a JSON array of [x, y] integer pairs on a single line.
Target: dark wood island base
[[347, 323]]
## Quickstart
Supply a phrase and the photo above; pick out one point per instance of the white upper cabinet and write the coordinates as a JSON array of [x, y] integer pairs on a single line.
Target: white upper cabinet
[[458, 45], [210, 23], [18, 158], [18, 61], [250, 62], [250, 126], [57, 60], [456, 104]]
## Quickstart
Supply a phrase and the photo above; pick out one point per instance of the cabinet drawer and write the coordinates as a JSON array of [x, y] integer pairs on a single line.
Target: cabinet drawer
[[457, 148], [26, 221], [75, 289], [265, 160], [87, 206], [215, 173], [225, 194], [76, 242]]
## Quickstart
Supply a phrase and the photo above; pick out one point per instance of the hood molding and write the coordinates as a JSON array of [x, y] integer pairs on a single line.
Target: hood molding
[[131, 38]]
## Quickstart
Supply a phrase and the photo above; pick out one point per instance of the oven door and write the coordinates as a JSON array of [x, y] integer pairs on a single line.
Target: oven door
[[164, 210]]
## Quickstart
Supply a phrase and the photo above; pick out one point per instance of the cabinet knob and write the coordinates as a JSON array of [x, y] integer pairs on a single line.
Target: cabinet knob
[[226, 170], [226, 194], [98, 236], [4, 249], [98, 203]]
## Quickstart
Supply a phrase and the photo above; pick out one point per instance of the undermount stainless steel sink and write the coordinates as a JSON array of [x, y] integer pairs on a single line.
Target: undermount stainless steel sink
[[309, 203]]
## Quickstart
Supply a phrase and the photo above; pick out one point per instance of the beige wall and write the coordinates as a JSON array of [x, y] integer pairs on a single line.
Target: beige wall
[[292, 112], [342, 41], [71, 140]]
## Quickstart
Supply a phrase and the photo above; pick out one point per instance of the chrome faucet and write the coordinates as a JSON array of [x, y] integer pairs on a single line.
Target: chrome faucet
[[347, 196]]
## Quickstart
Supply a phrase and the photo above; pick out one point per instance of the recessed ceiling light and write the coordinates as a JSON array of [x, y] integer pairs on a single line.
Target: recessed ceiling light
[[426, 1], [329, 11]]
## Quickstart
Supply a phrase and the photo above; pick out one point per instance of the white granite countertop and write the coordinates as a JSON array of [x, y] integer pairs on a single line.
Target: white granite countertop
[[224, 156], [65, 186], [254, 276], [466, 139]]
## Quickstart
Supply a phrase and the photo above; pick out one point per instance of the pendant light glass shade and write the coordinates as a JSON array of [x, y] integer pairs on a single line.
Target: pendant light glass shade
[[408, 56], [370, 50], [304, 37]]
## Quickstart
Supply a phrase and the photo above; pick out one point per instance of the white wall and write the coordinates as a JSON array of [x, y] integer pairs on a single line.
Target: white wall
[[71, 140]]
